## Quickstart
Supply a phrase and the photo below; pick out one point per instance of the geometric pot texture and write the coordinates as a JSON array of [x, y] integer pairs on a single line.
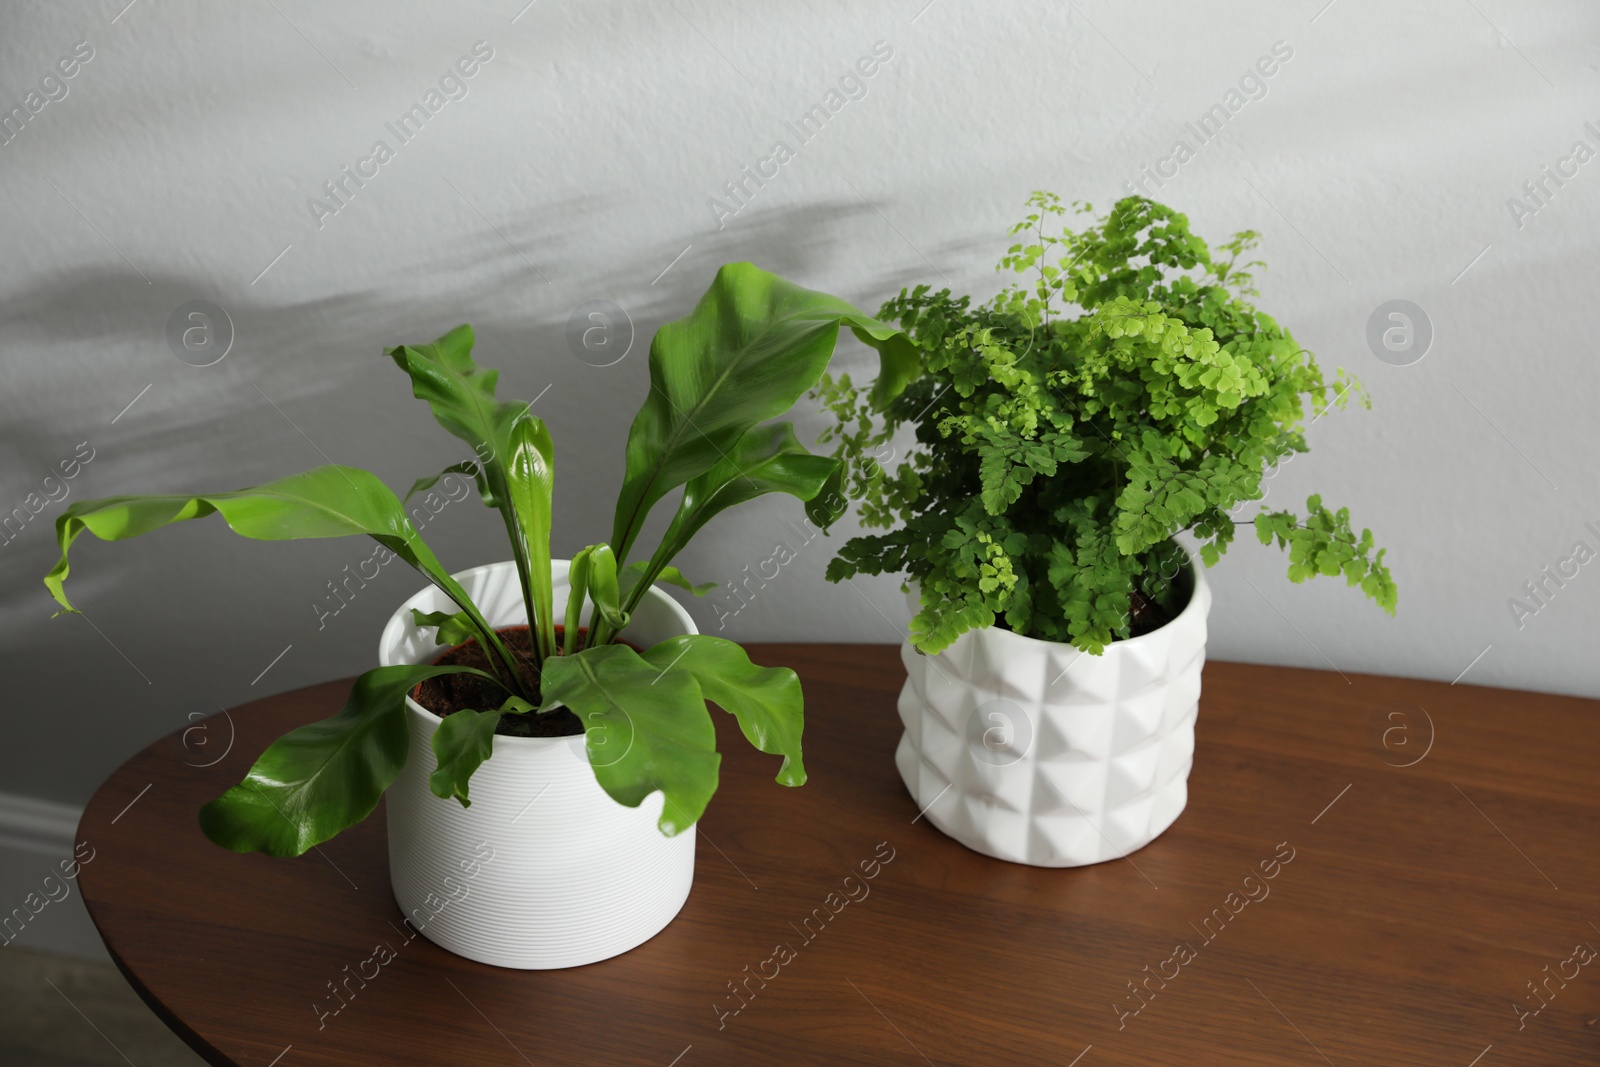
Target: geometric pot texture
[[1035, 752], [544, 869]]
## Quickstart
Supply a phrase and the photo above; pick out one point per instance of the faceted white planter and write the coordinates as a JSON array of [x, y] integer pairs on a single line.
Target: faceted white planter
[[1034, 752], [544, 870]]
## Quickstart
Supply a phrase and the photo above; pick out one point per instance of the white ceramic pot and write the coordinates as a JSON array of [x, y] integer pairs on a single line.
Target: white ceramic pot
[[544, 869], [1035, 752]]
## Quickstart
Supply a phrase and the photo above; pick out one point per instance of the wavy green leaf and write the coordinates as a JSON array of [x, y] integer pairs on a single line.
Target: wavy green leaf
[[768, 459], [647, 729], [629, 577], [323, 502], [462, 398], [454, 628], [767, 701], [513, 453], [462, 742], [747, 352], [322, 778], [466, 466]]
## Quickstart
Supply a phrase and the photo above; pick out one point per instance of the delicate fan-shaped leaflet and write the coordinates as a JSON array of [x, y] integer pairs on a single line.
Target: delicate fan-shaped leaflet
[[1326, 545], [746, 353], [325, 777]]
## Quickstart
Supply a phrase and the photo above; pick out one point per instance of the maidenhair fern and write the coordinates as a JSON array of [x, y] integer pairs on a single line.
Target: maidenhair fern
[[1123, 392]]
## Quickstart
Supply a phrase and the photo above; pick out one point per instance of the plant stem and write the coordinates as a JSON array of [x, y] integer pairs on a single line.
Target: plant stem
[[636, 594], [499, 656], [519, 552], [1043, 284], [569, 633]]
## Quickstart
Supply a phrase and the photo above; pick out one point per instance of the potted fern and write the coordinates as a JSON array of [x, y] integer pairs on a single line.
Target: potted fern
[[545, 772], [1123, 392]]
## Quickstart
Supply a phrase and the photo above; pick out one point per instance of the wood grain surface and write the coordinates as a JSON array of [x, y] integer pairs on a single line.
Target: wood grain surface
[[1443, 869]]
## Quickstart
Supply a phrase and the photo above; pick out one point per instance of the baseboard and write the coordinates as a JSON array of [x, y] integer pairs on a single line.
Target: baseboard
[[35, 836]]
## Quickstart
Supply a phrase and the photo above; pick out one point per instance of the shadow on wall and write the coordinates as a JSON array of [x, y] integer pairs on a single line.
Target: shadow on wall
[[97, 321], [98, 337], [805, 243]]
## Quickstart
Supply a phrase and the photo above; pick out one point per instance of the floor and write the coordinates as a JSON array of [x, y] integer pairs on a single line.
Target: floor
[[65, 1011]]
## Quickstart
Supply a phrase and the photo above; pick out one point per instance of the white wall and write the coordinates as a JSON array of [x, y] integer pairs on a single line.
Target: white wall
[[40, 858], [579, 166]]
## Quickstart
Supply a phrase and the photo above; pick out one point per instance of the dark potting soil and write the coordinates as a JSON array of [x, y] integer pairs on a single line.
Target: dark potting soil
[[449, 693], [1145, 615]]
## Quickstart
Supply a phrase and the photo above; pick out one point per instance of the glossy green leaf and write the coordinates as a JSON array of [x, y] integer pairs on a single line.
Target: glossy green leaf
[[830, 503], [466, 466], [462, 397], [510, 443], [530, 488], [647, 729], [462, 742], [317, 780], [767, 701], [323, 502], [629, 577], [603, 586], [752, 346], [454, 628], [593, 574], [577, 590], [768, 459]]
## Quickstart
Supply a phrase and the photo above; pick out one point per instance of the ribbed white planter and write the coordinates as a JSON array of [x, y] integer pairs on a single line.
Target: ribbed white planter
[[1035, 752], [544, 869]]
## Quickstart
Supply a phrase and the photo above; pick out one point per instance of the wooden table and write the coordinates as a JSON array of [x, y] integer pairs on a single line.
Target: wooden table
[[1437, 870]]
